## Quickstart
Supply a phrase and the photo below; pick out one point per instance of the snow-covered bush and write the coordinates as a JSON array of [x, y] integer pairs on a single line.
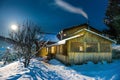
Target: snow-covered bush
[[9, 56], [116, 52]]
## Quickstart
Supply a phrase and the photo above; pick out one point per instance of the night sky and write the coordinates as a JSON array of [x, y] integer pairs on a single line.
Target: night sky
[[52, 15]]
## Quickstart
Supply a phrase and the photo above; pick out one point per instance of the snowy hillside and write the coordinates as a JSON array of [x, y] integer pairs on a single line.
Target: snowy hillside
[[55, 70]]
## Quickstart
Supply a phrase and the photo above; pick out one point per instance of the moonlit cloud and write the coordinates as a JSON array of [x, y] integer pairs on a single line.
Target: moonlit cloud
[[70, 8]]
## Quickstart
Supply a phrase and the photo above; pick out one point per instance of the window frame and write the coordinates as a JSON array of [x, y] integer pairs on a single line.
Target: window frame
[[107, 49], [75, 47], [93, 47]]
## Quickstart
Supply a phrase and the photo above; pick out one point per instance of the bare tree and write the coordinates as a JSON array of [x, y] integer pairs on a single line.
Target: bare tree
[[28, 40], [7, 56]]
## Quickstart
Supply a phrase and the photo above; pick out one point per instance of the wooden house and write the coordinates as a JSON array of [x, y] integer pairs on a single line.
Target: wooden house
[[80, 44]]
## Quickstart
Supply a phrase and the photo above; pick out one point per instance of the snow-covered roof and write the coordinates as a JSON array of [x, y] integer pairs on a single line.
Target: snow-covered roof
[[100, 35], [96, 34], [64, 40]]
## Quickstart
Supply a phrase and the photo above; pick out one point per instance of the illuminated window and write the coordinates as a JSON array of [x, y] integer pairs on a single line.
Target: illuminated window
[[77, 47], [46, 49], [64, 34], [52, 49], [80, 48]]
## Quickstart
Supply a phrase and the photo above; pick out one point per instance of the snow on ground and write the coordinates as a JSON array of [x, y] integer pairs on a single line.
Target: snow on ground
[[40, 70], [1, 63], [55, 70], [66, 72], [12, 69], [105, 71], [100, 71], [116, 47]]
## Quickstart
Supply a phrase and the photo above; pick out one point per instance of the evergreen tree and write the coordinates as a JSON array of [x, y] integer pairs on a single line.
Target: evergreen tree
[[112, 19]]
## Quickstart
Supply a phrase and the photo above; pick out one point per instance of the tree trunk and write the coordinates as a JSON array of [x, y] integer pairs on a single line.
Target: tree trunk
[[26, 62]]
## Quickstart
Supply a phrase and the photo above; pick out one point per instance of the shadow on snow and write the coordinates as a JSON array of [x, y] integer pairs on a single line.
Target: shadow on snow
[[37, 71]]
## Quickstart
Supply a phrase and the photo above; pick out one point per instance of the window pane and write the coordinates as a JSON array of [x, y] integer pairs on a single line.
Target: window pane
[[52, 49], [104, 47], [91, 47], [77, 47]]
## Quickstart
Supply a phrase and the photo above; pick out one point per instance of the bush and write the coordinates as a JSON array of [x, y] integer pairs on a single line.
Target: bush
[[115, 54]]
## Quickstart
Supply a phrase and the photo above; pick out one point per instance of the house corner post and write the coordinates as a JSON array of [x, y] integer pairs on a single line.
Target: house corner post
[[98, 47]]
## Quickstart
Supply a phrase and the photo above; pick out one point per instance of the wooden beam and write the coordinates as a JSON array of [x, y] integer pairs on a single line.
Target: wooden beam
[[85, 46], [98, 47]]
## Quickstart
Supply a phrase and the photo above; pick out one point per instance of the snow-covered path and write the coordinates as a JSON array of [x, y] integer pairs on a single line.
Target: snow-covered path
[[39, 70], [66, 72]]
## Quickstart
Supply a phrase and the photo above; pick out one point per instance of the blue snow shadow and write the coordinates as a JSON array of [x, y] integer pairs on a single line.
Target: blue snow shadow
[[39, 71], [15, 77], [105, 71]]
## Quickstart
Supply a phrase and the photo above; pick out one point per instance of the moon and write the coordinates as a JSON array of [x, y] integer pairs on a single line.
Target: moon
[[14, 27]]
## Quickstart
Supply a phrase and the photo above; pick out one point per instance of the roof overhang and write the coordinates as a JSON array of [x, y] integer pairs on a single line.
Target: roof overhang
[[113, 41], [64, 40], [79, 35]]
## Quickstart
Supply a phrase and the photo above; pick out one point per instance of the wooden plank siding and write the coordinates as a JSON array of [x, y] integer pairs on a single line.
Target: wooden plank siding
[[62, 58], [79, 58], [82, 57], [62, 54]]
